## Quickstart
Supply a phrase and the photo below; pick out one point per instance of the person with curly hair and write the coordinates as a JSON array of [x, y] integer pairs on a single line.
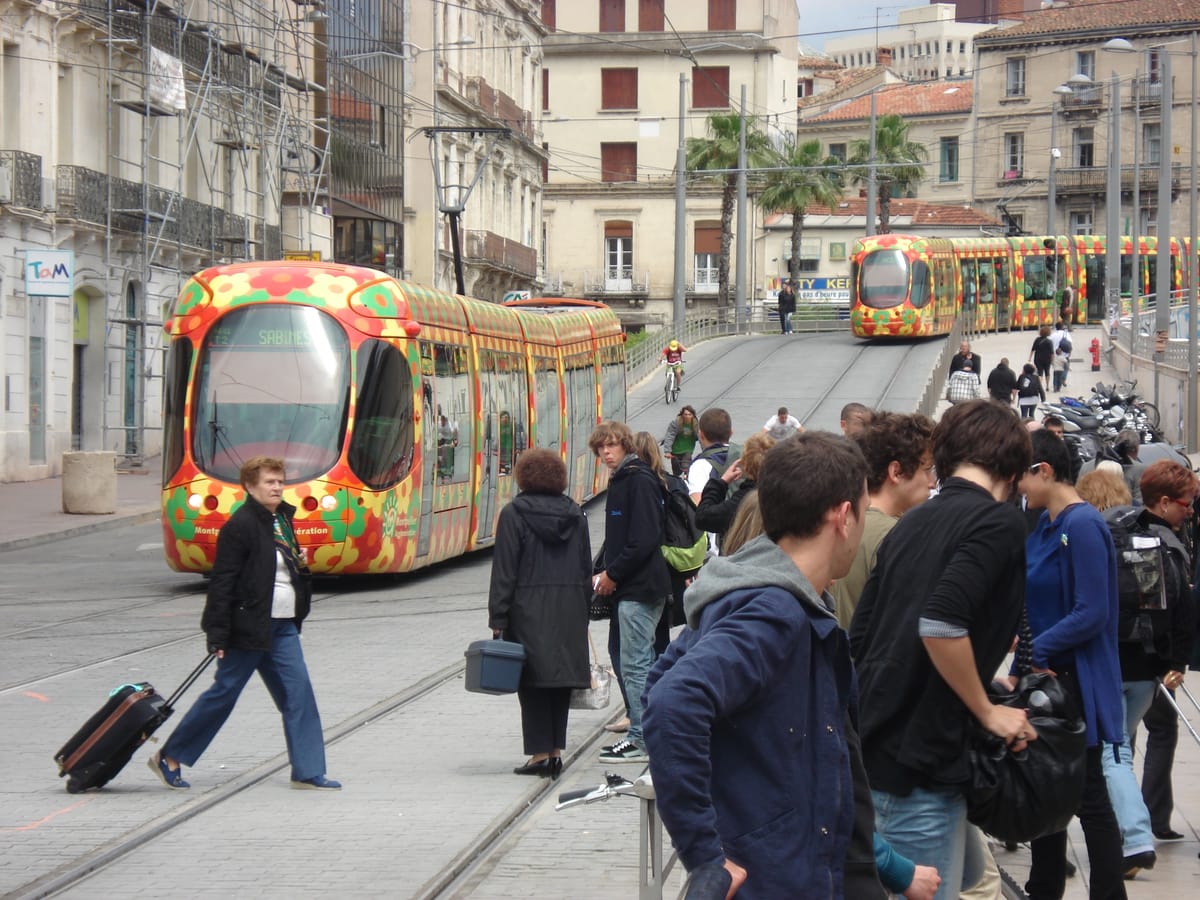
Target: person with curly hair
[[900, 475]]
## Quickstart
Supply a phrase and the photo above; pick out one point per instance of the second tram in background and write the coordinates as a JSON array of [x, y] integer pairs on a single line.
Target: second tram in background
[[904, 285], [399, 411]]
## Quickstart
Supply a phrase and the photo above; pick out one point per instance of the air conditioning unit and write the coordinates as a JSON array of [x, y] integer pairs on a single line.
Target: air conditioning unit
[[5, 184], [49, 194]]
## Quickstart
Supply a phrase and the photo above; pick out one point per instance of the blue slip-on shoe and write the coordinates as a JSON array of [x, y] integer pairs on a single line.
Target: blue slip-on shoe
[[172, 778], [320, 783]]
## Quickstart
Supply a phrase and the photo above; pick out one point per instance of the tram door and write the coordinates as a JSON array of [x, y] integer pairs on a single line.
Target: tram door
[[998, 284], [504, 408], [446, 447]]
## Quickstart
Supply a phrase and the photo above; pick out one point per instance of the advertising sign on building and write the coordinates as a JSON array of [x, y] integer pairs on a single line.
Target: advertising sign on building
[[49, 273], [816, 288]]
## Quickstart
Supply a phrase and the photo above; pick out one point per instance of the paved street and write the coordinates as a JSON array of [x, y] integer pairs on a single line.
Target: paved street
[[426, 765]]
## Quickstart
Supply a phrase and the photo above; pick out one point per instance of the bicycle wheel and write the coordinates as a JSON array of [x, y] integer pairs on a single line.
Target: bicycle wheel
[[669, 387], [1150, 411]]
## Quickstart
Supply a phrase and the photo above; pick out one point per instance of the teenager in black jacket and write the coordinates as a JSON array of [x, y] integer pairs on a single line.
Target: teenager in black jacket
[[633, 573]]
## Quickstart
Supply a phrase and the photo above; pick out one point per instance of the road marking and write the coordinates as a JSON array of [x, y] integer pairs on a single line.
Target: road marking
[[40, 697], [42, 821], [154, 545]]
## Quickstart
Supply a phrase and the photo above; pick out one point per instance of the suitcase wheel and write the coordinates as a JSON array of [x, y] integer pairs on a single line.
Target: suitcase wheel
[[74, 786]]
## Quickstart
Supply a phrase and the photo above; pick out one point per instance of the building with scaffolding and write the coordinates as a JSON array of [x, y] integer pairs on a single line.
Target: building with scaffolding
[[139, 142]]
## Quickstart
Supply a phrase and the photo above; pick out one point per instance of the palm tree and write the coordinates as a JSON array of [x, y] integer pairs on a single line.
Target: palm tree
[[720, 151], [897, 163], [808, 178]]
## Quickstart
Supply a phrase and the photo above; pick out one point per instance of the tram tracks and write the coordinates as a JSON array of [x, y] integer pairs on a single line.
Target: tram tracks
[[78, 869]]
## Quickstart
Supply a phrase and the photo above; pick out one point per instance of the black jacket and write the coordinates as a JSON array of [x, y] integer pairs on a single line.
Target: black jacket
[[957, 361], [718, 505], [633, 532], [959, 559], [238, 611], [541, 583], [1002, 382]]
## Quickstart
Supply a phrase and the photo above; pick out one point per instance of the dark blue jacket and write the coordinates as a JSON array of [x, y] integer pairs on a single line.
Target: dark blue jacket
[[633, 532], [745, 727]]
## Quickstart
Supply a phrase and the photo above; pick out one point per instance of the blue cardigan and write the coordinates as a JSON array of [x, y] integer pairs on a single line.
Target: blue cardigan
[[1071, 599]]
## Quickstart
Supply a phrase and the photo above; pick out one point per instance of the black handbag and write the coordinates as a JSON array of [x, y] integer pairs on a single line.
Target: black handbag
[[600, 608], [1021, 796]]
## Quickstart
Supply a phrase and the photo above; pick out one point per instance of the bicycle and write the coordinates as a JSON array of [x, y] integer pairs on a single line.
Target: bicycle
[[671, 387], [652, 872]]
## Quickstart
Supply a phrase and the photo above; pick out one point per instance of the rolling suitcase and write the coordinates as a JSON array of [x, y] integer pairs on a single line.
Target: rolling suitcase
[[101, 748]]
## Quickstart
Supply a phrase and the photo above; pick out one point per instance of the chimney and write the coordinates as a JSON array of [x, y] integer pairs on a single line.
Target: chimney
[[884, 56]]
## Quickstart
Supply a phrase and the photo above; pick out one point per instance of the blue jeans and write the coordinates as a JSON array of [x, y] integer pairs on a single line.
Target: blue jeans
[[286, 677], [637, 620], [931, 828], [1123, 791]]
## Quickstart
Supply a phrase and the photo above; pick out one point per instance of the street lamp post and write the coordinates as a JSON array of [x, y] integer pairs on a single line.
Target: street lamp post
[[1062, 90], [1112, 205]]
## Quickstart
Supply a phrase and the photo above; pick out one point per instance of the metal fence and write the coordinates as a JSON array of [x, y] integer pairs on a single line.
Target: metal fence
[[711, 323]]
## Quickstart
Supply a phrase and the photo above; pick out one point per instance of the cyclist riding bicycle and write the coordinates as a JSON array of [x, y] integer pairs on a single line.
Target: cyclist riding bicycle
[[673, 354]]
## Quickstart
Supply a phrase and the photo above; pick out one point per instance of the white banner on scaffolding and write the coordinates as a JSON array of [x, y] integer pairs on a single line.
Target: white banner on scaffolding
[[165, 86]]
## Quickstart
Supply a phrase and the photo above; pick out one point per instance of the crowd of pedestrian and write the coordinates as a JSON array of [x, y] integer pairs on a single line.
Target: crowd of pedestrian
[[808, 728]]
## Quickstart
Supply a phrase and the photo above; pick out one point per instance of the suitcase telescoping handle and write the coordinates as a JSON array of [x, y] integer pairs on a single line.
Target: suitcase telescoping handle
[[190, 680]]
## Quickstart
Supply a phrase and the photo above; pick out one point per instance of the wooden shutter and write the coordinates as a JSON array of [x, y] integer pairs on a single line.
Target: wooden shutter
[[650, 15], [618, 162], [618, 229], [710, 87], [612, 15], [545, 90], [549, 14], [708, 239], [722, 15], [618, 88]]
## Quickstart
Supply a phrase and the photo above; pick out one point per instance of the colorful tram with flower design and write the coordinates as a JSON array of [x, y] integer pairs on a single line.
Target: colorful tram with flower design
[[399, 411], [905, 285]]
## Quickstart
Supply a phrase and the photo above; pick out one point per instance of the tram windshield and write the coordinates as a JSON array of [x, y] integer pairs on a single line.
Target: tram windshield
[[271, 381], [883, 279]]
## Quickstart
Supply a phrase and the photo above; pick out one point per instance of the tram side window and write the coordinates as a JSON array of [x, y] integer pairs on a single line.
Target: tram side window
[[1038, 278], [381, 448], [985, 285], [453, 408], [612, 383], [970, 288], [179, 364], [502, 376], [919, 293], [547, 402], [581, 384]]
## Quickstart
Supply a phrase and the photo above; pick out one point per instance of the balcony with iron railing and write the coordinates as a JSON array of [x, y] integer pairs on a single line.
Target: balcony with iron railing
[[21, 179], [491, 249], [136, 208], [1094, 179], [498, 105], [621, 281], [1085, 97]]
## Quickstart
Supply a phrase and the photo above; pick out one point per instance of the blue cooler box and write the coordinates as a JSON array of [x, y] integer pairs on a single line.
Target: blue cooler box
[[494, 667]]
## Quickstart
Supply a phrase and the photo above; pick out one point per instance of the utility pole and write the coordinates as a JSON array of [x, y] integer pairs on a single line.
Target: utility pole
[[740, 282], [679, 307], [872, 202]]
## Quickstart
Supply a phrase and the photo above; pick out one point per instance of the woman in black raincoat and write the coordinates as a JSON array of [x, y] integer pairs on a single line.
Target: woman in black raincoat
[[541, 584]]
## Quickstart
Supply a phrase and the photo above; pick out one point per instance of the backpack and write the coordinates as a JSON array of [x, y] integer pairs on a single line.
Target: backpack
[[1145, 552], [1065, 345], [1024, 384], [684, 544], [720, 458]]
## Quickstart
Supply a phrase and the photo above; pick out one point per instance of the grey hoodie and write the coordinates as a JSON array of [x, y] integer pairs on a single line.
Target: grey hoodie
[[759, 563]]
